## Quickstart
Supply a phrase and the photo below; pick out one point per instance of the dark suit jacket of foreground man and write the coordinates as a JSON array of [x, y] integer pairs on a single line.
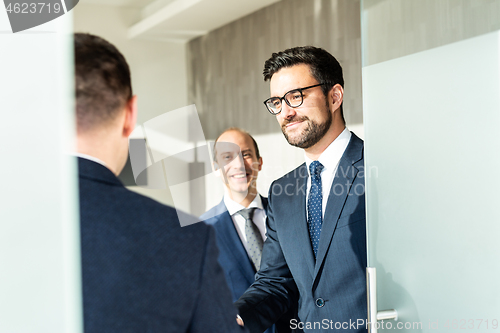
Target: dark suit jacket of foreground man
[[332, 288], [142, 272]]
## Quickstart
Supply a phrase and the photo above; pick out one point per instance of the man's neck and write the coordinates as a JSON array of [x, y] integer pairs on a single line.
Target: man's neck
[[315, 151], [101, 147], [243, 200]]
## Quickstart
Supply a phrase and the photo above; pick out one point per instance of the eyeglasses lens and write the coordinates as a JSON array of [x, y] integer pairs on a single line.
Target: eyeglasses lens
[[294, 98], [274, 105]]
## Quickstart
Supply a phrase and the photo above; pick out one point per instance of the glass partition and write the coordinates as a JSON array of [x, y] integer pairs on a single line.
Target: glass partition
[[431, 85]]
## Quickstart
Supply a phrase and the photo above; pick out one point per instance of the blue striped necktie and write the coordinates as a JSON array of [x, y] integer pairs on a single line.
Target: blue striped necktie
[[315, 206]]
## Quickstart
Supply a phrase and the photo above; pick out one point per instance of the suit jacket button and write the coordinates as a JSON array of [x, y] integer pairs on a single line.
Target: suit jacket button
[[320, 302]]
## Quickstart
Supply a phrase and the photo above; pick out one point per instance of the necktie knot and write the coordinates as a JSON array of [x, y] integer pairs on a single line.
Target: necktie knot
[[247, 213], [315, 169]]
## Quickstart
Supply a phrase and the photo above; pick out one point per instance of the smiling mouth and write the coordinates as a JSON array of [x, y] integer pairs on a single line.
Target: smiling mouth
[[294, 123], [240, 176]]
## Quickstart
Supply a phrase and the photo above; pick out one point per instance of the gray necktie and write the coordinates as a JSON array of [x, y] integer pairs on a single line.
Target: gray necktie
[[254, 238]]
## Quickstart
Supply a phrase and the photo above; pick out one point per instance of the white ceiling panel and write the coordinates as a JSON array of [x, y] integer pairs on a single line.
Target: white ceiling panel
[[182, 20]]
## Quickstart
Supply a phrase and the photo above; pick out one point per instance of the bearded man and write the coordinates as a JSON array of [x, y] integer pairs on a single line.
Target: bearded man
[[315, 251]]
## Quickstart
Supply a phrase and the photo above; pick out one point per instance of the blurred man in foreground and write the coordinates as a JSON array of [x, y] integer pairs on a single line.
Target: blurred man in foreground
[[141, 271]]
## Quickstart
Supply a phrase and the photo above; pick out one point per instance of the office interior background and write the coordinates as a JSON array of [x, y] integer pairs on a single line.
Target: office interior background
[[190, 58], [441, 221]]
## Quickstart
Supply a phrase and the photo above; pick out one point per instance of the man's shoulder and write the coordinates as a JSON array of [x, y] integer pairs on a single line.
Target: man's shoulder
[[215, 215], [265, 202], [166, 214], [126, 205], [119, 195], [354, 153], [145, 204], [292, 176]]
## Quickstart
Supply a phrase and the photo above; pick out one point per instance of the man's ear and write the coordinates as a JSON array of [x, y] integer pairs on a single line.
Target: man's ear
[[335, 97], [130, 116], [215, 166], [260, 163]]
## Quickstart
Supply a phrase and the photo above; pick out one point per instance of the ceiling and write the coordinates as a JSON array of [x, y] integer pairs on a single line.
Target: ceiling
[[119, 3], [183, 20]]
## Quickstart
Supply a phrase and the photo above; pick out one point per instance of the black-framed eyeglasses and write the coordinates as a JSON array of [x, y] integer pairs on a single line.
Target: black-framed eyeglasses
[[294, 98]]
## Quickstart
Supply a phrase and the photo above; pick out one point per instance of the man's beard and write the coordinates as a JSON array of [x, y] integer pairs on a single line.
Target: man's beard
[[311, 134]]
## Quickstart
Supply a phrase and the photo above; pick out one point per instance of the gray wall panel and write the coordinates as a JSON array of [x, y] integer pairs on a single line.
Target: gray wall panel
[[225, 66], [395, 28]]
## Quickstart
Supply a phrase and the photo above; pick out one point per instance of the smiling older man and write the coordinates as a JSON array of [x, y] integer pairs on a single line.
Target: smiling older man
[[240, 218]]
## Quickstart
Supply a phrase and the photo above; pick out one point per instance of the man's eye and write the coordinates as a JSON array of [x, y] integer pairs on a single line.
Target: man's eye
[[276, 102], [295, 96]]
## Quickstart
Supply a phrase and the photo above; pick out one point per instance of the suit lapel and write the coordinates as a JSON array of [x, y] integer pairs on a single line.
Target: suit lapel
[[298, 219], [264, 203], [346, 173], [231, 240]]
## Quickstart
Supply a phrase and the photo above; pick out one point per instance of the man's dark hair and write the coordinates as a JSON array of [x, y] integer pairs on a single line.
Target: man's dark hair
[[236, 129], [102, 81], [324, 67]]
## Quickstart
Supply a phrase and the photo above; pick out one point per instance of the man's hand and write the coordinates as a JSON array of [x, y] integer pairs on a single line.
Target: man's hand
[[239, 321]]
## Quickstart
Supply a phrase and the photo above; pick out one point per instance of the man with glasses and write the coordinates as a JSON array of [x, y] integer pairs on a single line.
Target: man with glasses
[[315, 251]]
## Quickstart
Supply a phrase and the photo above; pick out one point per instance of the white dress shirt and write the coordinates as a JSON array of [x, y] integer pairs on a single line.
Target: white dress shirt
[[259, 217], [330, 159]]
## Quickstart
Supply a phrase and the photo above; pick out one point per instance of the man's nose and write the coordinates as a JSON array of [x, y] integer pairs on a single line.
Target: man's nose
[[238, 162], [287, 112]]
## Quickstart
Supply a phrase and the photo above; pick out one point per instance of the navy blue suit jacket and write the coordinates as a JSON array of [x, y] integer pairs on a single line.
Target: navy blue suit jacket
[[238, 267], [332, 287], [142, 272]]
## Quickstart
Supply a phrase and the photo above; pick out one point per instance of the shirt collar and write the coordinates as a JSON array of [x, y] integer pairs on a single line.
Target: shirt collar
[[331, 156], [233, 207], [90, 158]]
